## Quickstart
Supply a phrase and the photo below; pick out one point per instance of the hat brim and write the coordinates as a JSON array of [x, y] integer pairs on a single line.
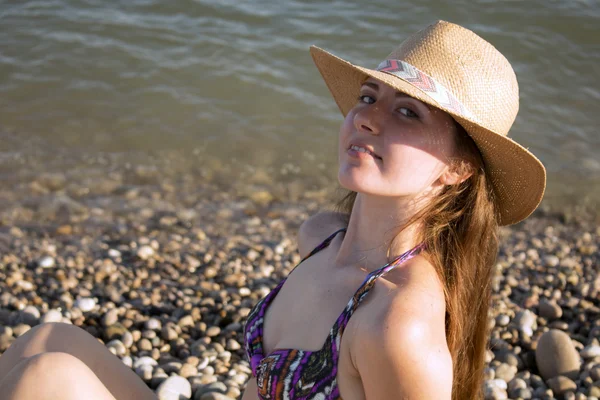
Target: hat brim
[[517, 176]]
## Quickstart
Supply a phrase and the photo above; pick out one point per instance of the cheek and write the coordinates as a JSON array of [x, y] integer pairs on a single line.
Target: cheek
[[345, 131]]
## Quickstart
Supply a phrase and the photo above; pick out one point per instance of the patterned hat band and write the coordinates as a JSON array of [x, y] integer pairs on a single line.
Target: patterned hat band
[[427, 84]]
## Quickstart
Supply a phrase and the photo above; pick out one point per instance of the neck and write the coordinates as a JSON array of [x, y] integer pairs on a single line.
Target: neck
[[376, 231]]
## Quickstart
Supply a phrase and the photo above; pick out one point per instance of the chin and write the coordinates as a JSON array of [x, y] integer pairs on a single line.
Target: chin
[[357, 182]]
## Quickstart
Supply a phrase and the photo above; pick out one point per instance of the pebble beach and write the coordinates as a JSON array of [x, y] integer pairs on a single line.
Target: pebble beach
[[163, 260]]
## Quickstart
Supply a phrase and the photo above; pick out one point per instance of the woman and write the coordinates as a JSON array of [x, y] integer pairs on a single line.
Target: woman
[[431, 175]]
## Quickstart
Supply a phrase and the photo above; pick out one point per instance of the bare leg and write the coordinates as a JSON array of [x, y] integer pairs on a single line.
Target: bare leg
[[51, 376], [119, 379]]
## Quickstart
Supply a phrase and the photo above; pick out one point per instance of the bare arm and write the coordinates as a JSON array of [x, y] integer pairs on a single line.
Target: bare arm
[[403, 355]]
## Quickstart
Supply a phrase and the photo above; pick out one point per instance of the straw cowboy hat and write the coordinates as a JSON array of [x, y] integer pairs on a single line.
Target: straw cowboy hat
[[453, 69]]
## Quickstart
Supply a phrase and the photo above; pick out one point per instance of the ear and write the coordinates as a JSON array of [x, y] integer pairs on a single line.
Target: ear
[[454, 176]]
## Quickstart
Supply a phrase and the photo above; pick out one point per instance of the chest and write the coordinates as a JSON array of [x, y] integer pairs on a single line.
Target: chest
[[307, 307]]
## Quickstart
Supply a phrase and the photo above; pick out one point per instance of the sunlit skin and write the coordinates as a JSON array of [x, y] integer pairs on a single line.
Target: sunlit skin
[[414, 144]]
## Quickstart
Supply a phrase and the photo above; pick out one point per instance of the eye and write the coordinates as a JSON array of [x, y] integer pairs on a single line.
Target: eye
[[365, 98], [408, 112]]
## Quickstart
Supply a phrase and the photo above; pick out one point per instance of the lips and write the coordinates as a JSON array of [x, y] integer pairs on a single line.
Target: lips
[[365, 149]]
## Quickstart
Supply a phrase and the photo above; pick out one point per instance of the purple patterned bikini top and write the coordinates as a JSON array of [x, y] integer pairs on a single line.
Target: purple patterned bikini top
[[304, 375]]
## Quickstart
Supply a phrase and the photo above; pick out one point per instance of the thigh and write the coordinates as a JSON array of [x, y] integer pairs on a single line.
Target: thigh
[[119, 379], [47, 376]]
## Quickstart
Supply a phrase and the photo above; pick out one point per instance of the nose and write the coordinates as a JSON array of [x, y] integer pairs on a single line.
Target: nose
[[368, 120]]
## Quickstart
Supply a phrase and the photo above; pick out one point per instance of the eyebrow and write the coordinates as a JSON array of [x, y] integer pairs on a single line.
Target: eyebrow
[[375, 87]]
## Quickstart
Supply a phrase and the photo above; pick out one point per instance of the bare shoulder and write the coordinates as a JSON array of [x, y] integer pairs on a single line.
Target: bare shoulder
[[317, 228], [400, 337]]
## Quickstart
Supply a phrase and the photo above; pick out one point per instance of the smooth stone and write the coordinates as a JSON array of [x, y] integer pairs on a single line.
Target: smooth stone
[[153, 324], [506, 372], [174, 388], [127, 339], [52, 316], [110, 317], [144, 361], [526, 322], [507, 357], [213, 331], [522, 393], [168, 333], [115, 331], [551, 260], [118, 347], [550, 310], [502, 320], [515, 384], [590, 351], [493, 391], [85, 304], [203, 363], [556, 355], [233, 345], [144, 372], [561, 384], [595, 373], [185, 321], [46, 262], [145, 252], [188, 370], [30, 316], [145, 345], [127, 361]]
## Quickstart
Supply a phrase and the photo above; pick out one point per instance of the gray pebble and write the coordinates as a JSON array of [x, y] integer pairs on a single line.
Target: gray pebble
[[556, 355], [549, 309]]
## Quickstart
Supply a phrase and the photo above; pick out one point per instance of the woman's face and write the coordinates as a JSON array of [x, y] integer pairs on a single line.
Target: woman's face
[[391, 144]]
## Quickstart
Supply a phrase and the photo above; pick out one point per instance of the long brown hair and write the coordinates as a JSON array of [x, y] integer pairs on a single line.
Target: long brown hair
[[460, 231]]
